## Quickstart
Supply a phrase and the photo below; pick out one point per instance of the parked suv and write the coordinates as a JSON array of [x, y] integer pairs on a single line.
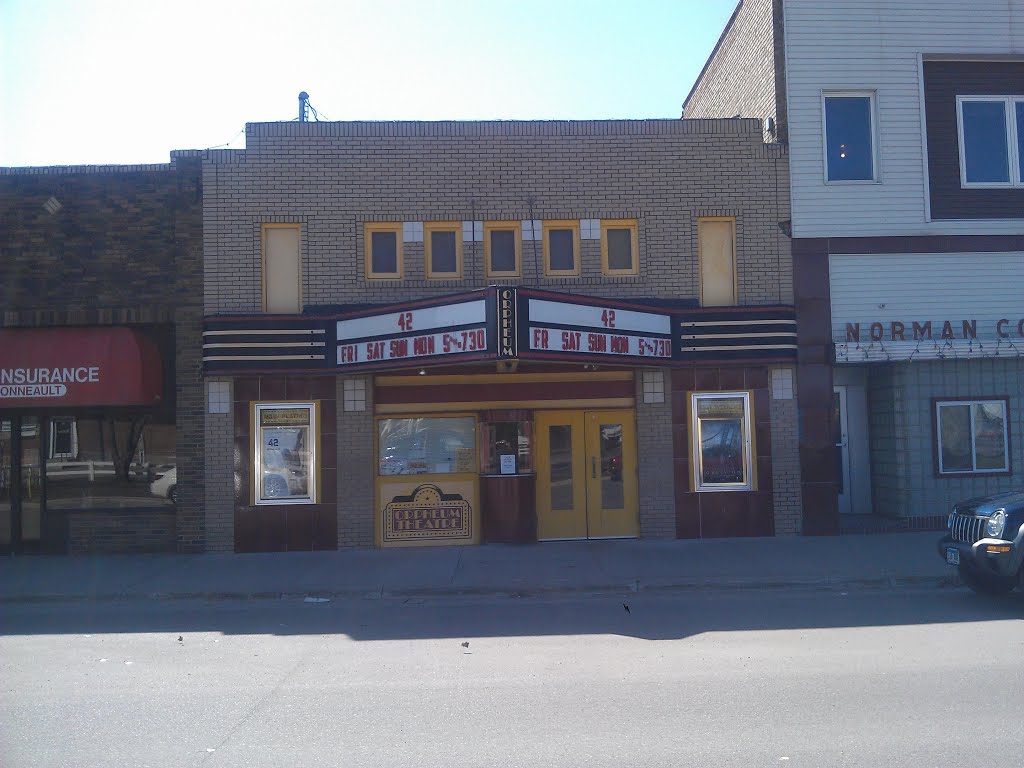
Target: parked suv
[[986, 542]]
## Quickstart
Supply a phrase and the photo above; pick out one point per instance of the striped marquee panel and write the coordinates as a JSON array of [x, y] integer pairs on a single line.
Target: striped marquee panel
[[740, 334], [265, 343]]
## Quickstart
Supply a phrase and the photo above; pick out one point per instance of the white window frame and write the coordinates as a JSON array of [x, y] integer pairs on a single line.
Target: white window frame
[[1010, 116], [312, 488], [876, 176], [1005, 470], [54, 454], [696, 457]]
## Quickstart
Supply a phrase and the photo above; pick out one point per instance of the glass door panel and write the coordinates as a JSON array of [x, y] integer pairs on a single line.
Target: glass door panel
[[7, 476], [31, 479], [840, 430], [586, 474], [612, 504], [561, 496]]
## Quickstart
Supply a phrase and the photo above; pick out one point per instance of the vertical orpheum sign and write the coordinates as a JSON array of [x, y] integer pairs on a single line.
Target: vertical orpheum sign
[[506, 322]]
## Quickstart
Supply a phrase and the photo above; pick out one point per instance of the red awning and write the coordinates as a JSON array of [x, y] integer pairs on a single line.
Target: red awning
[[66, 367]]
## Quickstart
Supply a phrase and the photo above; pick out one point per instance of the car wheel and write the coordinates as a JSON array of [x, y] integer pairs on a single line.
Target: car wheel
[[274, 486], [172, 494], [986, 583]]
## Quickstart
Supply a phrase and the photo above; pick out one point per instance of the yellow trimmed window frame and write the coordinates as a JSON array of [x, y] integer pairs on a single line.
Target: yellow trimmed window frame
[[369, 229], [716, 261], [431, 228], [282, 268], [573, 226], [515, 227], [630, 226]]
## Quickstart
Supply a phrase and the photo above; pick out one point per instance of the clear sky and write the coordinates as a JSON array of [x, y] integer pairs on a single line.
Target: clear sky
[[102, 81]]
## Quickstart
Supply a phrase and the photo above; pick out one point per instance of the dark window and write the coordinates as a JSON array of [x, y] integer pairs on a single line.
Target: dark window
[[561, 243], [849, 148], [384, 253], [1019, 109], [503, 250], [442, 253], [985, 146], [620, 249]]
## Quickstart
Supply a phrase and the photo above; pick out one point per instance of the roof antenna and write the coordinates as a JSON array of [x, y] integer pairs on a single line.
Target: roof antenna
[[303, 107]]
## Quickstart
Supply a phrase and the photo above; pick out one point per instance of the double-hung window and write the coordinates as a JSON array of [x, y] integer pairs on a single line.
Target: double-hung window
[[971, 436], [849, 131], [991, 134]]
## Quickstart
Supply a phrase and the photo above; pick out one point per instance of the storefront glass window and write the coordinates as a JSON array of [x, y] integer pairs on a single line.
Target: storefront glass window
[[6, 447], [435, 446], [972, 436], [506, 448], [721, 441], [285, 453], [104, 463]]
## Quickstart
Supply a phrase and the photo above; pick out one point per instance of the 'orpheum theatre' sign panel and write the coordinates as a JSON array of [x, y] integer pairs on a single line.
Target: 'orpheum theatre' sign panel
[[428, 513]]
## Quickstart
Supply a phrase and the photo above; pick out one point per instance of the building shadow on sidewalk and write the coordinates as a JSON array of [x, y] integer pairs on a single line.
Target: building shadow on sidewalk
[[650, 616]]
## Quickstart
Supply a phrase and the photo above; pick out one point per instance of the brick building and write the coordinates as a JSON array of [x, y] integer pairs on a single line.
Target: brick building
[[905, 127], [458, 332], [101, 416]]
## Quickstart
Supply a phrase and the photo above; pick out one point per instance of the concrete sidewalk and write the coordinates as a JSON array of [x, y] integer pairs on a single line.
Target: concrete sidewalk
[[559, 567]]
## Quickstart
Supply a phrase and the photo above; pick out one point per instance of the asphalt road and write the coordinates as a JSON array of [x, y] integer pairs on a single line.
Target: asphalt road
[[871, 678]]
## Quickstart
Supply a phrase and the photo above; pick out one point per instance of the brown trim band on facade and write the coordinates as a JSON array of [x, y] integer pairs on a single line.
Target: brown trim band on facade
[[819, 486], [944, 83], [916, 244]]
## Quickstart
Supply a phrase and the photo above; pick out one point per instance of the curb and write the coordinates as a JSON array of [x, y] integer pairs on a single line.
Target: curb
[[594, 590]]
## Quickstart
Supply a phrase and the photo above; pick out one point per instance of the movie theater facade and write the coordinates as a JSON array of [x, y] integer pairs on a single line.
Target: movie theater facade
[[453, 333]]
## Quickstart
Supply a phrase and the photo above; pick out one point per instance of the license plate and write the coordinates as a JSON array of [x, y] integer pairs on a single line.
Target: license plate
[[952, 555]]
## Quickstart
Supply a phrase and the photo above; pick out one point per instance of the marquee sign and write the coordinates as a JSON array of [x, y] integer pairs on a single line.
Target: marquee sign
[[572, 327], [498, 323], [442, 329]]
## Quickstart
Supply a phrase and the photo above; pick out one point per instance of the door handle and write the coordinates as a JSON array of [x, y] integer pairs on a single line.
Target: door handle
[[593, 466]]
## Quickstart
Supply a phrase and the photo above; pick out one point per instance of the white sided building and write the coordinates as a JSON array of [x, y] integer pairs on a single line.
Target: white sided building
[[905, 126]]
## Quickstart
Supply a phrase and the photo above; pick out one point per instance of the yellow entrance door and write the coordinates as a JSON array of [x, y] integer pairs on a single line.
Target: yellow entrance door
[[586, 474]]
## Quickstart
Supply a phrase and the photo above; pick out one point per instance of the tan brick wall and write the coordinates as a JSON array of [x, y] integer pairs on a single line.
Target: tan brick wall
[[745, 74], [219, 499], [124, 248], [356, 471], [654, 446], [334, 177], [786, 497]]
